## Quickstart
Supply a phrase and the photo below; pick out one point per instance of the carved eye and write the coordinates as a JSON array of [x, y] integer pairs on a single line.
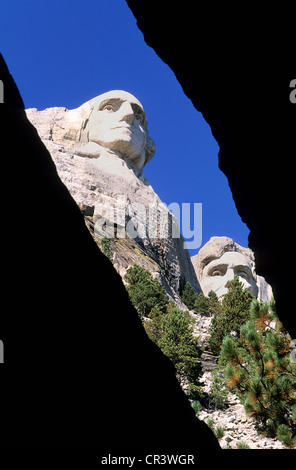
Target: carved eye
[[216, 272], [108, 107], [243, 274]]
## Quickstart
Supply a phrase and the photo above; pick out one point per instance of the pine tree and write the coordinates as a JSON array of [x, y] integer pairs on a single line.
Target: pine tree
[[259, 370], [214, 304], [144, 291], [106, 248], [202, 304], [218, 393], [229, 315], [178, 343], [167, 326], [189, 296], [236, 304], [153, 324]]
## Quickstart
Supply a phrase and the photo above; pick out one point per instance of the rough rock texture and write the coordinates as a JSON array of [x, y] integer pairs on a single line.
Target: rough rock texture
[[220, 259], [109, 186], [238, 427], [236, 68], [80, 373]]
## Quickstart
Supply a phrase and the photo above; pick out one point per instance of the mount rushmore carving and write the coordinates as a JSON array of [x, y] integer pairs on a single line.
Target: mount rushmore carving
[[100, 150], [220, 259]]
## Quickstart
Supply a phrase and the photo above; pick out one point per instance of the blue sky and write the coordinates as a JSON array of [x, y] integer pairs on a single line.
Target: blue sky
[[65, 52]]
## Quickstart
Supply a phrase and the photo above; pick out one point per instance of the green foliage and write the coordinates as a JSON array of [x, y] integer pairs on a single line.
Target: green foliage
[[153, 325], [218, 393], [144, 291], [210, 423], [197, 406], [230, 314], [178, 343], [259, 370], [189, 296], [106, 248], [167, 326], [284, 434], [219, 431], [202, 304], [214, 304], [242, 445]]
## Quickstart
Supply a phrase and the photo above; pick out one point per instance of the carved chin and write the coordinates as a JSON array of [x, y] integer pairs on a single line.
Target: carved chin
[[129, 149]]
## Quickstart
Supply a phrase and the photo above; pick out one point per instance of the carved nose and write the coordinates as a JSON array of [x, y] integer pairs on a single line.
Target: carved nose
[[229, 276], [127, 113]]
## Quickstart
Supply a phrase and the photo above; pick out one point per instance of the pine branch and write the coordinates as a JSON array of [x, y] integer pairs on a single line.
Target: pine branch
[[263, 370]]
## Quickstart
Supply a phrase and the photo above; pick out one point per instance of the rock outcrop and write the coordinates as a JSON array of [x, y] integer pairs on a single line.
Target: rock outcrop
[[117, 201]]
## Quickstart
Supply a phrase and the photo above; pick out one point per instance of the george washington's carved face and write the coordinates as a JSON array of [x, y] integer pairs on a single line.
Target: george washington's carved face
[[118, 122]]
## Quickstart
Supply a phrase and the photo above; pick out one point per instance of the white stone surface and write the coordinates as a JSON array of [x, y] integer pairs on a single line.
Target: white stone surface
[[239, 428], [100, 150], [220, 259], [113, 123]]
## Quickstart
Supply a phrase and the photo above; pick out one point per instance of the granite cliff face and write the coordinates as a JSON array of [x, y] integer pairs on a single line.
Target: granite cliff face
[[117, 201]]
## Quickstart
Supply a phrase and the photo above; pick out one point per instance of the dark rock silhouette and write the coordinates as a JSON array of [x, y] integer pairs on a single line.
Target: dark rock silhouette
[[79, 371], [235, 64]]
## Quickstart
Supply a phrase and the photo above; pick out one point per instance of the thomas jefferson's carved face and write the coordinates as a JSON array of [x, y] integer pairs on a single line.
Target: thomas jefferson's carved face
[[218, 272], [118, 122]]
